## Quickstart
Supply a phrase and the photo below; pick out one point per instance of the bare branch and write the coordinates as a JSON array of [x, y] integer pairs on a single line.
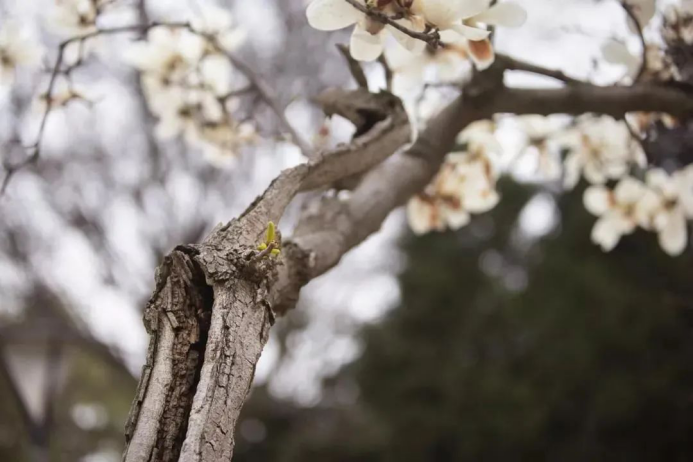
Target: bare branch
[[630, 12], [268, 97], [354, 67], [389, 75], [432, 37], [513, 64], [35, 147], [257, 83]]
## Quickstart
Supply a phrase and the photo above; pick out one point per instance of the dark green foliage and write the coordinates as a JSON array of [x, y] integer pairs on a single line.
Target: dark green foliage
[[591, 361]]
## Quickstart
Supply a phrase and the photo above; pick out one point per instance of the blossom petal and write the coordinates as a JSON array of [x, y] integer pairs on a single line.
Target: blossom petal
[[647, 209], [674, 236], [445, 13], [332, 14], [470, 8], [421, 216], [457, 218], [629, 191], [481, 201], [572, 169], [471, 33], [481, 53], [606, 233], [615, 52], [596, 200], [364, 45], [410, 43], [506, 14]]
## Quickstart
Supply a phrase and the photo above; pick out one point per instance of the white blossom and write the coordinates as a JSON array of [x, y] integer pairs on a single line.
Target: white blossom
[[368, 36], [430, 214], [17, 49], [539, 131], [221, 141], [466, 184], [616, 52], [600, 149], [470, 18], [72, 18], [218, 22], [665, 207], [189, 85], [617, 210], [446, 63]]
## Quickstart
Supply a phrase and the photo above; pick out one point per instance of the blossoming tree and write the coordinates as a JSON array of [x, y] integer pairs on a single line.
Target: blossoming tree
[[215, 301]]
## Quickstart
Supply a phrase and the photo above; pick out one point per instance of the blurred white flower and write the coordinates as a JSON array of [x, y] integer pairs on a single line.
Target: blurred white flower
[[600, 149], [216, 74], [427, 214], [167, 60], [17, 49], [220, 141], [616, 52], [658, 66], [187, 114], [218, 22], [368, 37], [73, 18], [466, 184], [538, 131], [62, 94], [617, 211], [665, 207], [169, 53]]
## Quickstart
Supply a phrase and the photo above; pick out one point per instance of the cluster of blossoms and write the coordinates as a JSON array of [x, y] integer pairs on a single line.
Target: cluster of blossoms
[[191, 86], [188, 80], [466, 184], [464, 24], [17, 50], [600, 149], [662, 203]]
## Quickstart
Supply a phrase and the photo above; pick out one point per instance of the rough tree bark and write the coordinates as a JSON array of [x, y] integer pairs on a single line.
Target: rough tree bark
[[214, 303]]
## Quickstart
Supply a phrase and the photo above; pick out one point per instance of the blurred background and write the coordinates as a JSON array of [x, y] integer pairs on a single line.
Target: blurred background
[[514, 338]]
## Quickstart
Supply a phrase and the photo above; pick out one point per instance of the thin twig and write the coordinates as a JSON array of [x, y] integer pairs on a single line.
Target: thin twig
[[517, 65], [389, 75], [35, 147], [354, 67], [432, 37], [268, 97], [265, 92], [636, 136], [639, 30]]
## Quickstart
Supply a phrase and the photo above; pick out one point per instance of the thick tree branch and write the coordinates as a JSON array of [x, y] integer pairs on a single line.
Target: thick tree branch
[[614, 101], [210, 315]]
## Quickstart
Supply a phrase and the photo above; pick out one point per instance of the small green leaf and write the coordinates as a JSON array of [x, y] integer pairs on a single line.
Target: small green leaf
[[271, 233]]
